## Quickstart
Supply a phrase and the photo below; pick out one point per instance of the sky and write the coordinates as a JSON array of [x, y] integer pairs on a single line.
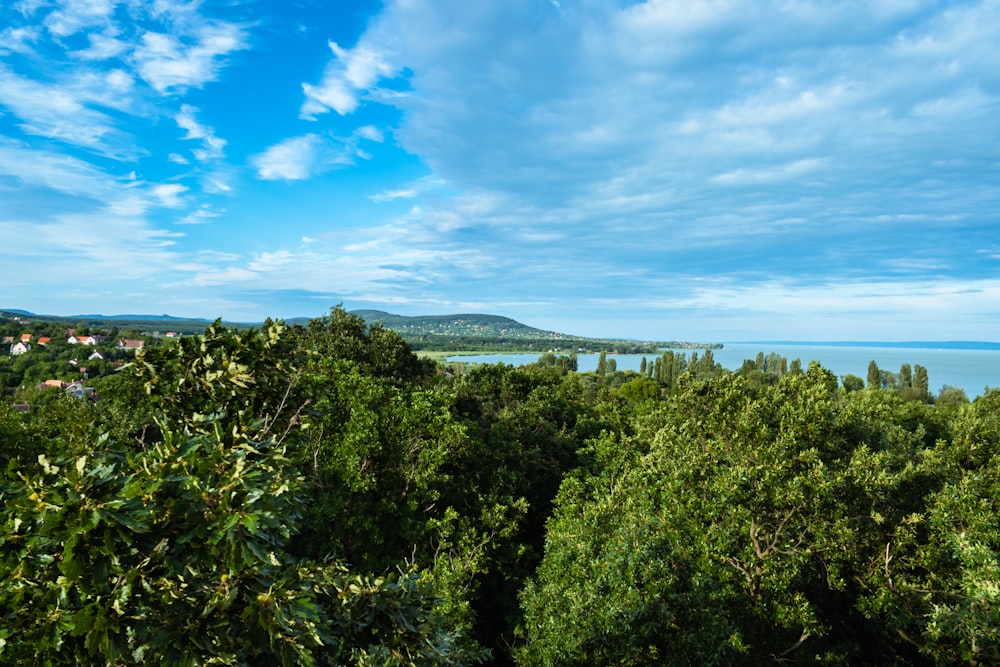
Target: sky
[[710, 170]]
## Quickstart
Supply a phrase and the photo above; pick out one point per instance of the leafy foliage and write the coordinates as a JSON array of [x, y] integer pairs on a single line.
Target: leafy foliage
[[177, 552], [318, 495]]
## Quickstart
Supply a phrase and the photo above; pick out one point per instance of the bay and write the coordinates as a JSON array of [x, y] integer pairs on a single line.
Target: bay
[[973, 370]]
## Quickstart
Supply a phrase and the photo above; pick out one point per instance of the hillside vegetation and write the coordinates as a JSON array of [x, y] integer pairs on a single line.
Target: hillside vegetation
[[467, 332]]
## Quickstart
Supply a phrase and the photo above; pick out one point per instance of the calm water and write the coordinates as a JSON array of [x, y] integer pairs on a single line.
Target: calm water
[[972, 370]]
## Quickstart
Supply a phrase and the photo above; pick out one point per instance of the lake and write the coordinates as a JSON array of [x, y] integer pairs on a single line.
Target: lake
[[971, 369]]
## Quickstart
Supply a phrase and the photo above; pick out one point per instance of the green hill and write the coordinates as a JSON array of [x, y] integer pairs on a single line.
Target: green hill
[[464, 331], [481, 332], [461, 324]]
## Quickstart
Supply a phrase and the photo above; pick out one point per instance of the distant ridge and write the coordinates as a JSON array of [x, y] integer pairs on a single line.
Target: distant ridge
[[138, 318], [465, 331], [94, 316], [908, 344], [477, 323], [478, 331], [184, 325]]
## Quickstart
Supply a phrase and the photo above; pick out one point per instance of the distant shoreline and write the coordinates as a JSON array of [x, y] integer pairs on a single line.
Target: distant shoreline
[[916, 345]]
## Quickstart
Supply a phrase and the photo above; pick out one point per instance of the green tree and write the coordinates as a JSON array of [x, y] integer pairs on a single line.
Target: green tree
[[729, 536], [905, 378], [853, 383], [921, 384], [952, 398], [874, 376], [936, 583], [639, 390]]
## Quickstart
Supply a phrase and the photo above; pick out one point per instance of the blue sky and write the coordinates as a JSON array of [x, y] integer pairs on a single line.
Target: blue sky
[[701, 169]]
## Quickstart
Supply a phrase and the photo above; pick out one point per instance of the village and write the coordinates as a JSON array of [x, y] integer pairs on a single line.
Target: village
[[37, 357]]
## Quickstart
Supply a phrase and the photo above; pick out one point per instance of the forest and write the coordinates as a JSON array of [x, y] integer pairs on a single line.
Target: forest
[[316, 494]]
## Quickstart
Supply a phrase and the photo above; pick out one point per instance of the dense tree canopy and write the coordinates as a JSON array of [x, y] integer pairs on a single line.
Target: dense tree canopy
[[319, 495]]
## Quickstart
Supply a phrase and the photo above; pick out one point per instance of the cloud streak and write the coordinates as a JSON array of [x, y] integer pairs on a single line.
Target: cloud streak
[[351, 73]]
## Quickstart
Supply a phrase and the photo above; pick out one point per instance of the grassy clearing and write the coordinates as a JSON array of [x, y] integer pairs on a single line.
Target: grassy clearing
[[441, 355]]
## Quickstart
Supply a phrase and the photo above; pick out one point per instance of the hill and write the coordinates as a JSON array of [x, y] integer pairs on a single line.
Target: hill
[[141, 323], [482, 332], [464, 331], [461, 324]]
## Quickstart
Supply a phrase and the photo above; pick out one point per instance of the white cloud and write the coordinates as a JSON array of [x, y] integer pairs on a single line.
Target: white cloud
[[202, 216], [226, 276], [118, 81], [292, 159], [763, 175], [410, 190], [218, 182], [349, 76], [168, 63], [103, 46], [391, 195], [29, 7], [17, 40], [169, 194], [370, 132], [59, 112], [75, 15], [212, 146], [298, 158], [359, 273], [51, 170]]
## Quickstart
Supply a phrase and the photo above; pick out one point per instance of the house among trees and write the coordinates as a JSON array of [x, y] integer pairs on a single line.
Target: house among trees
[[26, 338], [79, 391], [54, 384], [130, 344], [82, 340], [44, 340], [19, 348]]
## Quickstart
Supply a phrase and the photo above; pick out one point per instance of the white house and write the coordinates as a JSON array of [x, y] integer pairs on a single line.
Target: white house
[[82, 340], [19, 348], [130, 344]]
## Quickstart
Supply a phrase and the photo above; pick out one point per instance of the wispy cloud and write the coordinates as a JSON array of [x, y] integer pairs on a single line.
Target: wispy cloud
[[17, 39], [170, 62], [103, 46], [370, 132], [55, 171], [391, 195], [212, 146], [292, 159], [203, 215], [61, 111], [169, 194], [73, 16], [298, 158], [347, 78], [409, 191]]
